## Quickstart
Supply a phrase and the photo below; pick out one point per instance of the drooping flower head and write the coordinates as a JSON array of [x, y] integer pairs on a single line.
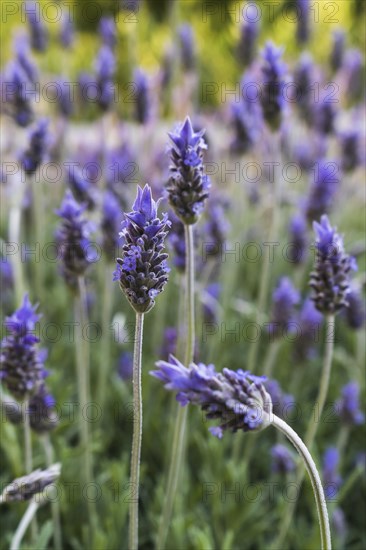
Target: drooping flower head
[[188, 186], [236, 398], [22, 368], [272, 93], [38, 30], [303, 28], [331, 478], [348, 406], [248, 36], [323, 189], [142, 96], [41, 410], [73, 239], [283, 460], [142, 271], [285, 297], [108, 32], [26, 487], [39, 142], [187, 47], [105, 66], [330, 278]]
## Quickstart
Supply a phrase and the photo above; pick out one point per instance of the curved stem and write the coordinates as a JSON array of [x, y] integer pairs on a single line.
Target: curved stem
[[301, 448], [137, 433], [181, 418], [23, 525], [313, 426]]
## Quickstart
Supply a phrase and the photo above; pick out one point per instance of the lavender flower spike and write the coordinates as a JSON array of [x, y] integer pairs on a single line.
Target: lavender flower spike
[[331, 479], [348, 406], [330, 278], [272, 97], [142, 271], [285, 297], [21, 362], [188, 186], [38, 142], [237, 398]]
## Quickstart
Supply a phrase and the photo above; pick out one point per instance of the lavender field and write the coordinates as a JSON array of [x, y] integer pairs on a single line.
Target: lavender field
[[182, 275]]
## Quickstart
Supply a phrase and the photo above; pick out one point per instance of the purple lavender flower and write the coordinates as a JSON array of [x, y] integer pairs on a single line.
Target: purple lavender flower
[[142, 271], [350, 149], [355, 313], [142, 105], [187, 47], [130, 5], [272, 96], [105, 66], [110, 224], [338, 523], [248, 36], [348, 406], [210, 302], [284, 298], [353, 66], [177, 242], [6, 281], [108, 32], [38, 29], [125, 366], [25, 487], [121, 169], [325, 114], [17, 83], [81, 187], [21, 362], [304, 80], [64, 97], [24, 59], [283, 461], [303, 13], [169, 346], [309, 321], [237, 398], [67, 31], [216, 228], [73, 239], [282, 403], [330, 278], [42, 414], [298, 239], [323, 189], [188, 186], [331, 479], [246, 118], [306, 154], [337, 53], [33, 157]]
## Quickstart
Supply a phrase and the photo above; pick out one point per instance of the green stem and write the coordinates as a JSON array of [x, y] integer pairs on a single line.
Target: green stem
[[137, 433], [29, 458], [23, 525], [55, 505], [181, 418], [105, 345], [82, 363], [313, 426], [266, 271], [271, 357], [310, 466], [38, 221]]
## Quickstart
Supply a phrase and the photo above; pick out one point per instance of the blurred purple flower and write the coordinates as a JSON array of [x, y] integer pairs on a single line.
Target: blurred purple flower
[[108, 31], [348, 406], [39, 143], [125, 366], [249, 31], [105, 67], [331, 479], [142, 96], [298, 240], [110, 224], [38, 29], [42, 413], [323, 189], [283, 461], [350, 149], [67, 31], [187, 47], [309, 321], [303, 23], [272, 96], [246, 118], [283, 403], [337, 52], [284, 298], [355, 313]]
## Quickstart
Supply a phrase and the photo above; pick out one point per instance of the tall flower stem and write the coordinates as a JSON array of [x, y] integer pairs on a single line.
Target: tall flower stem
[[38, 220], [23, 525], [28, 457], [313, 426], [105, 346], [314, 478], [266, 268], [55, 504], [181, 418], [137, 432], [82, 363]]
